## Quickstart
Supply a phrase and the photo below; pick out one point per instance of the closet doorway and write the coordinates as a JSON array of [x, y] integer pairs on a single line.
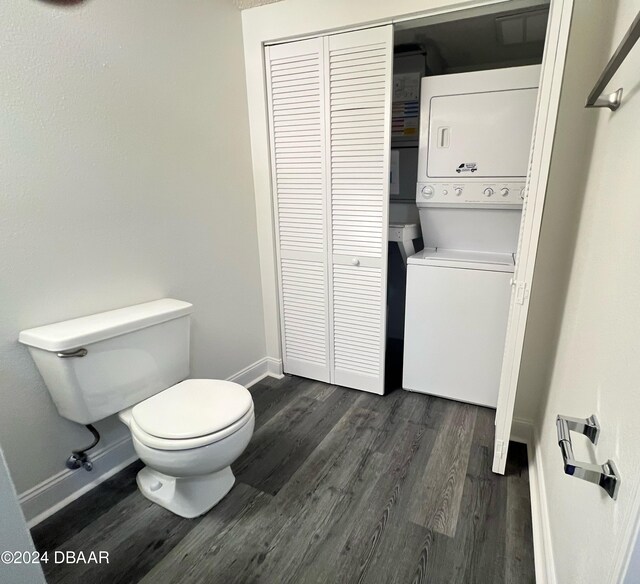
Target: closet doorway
[[333, 296]]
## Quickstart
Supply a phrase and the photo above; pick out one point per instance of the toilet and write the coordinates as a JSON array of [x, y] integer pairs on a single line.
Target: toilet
[[188, 436], [134, 362]]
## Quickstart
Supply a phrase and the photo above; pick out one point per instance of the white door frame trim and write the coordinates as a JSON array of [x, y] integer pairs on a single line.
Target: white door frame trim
[[285, 23], [539, 165]]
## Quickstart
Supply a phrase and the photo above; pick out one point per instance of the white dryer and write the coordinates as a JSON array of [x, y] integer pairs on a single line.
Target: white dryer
[[475, 137]]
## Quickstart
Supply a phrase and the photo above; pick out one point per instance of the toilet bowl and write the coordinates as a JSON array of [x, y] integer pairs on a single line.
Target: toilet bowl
[[188, 436]]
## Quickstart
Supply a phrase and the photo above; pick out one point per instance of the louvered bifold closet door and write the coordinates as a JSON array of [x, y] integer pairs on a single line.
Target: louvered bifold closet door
[[295, 78], [359, 127]]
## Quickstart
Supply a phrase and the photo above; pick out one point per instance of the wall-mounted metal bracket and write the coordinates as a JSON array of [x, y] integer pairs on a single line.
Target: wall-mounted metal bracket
[[606, 475], [613, 100]]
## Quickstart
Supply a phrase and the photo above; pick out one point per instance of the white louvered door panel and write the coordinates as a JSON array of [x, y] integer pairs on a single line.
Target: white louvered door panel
[[359, 128], [295, 78]]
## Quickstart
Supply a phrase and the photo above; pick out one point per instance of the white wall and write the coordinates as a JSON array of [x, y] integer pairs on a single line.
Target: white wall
[[125, 176], [596, 366], [403, 213], [14, 536], [590, 38], [632, 575], [290, 19]]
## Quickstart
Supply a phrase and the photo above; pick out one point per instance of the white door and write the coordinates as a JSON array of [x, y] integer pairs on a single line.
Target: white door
[[359, 128], [330, 115], [295, 78], [539, 166]]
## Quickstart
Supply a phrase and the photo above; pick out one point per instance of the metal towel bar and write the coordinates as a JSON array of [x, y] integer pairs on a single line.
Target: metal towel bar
[[613, 100], [606, 475]]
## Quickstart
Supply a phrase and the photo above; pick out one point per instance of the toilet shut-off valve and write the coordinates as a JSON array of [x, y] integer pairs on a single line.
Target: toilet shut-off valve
[[80, 458]]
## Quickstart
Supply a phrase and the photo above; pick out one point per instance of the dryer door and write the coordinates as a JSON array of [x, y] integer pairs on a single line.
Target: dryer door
[[481, 134]]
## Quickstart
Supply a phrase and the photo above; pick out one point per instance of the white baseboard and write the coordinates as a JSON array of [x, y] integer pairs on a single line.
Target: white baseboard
[[57, 491], [275, 368], [265, 367], [524, 431]]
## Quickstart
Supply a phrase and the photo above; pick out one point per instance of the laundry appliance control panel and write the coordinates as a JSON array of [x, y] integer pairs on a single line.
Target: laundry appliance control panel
[[472, 194]]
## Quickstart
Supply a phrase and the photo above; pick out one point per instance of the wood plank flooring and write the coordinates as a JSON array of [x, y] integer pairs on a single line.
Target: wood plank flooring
[[336, 486]]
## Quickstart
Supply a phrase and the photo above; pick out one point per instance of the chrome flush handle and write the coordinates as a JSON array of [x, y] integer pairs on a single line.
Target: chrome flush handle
[[77, 353]]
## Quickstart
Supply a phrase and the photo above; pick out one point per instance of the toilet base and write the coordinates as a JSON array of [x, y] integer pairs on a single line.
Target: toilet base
[[188, 497]]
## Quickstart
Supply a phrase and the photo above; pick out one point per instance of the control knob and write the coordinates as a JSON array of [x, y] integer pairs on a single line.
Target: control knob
[[427, 192], [488, 191], [457, 191], [504, 192]]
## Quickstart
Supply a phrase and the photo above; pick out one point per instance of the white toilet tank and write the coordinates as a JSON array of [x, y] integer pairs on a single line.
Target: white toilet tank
[[98, 365]]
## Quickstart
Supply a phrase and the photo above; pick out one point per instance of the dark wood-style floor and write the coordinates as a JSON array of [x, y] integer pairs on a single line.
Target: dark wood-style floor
[[336, 486]]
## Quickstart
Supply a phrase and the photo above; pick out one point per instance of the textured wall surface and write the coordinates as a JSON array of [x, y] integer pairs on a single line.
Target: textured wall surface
[[125, 176], [589, 44], [596, 363]]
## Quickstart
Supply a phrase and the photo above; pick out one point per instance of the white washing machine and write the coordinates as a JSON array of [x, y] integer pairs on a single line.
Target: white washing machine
[[475, 136], [456, 322]]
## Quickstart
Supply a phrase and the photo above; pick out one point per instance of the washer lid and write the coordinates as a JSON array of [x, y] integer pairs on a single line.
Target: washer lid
[[464, 259], [192, 408]]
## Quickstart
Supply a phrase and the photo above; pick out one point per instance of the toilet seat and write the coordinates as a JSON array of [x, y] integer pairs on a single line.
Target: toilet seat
[[191, 414], [187, 443]]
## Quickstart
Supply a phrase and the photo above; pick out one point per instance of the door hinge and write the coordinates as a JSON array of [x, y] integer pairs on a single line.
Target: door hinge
[[522, 291], [499, 449]]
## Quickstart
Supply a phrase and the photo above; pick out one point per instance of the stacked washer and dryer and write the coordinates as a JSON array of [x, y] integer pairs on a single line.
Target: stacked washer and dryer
[[475, 138]]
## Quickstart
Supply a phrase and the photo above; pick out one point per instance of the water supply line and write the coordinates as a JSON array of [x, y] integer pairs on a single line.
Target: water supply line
[[80, 458]]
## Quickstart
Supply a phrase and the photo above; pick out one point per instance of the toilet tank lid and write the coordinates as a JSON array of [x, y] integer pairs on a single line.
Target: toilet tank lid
[[76, 333]]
